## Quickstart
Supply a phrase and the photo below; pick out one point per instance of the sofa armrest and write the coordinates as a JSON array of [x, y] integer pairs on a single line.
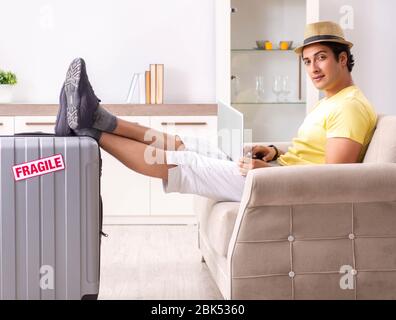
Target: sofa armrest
[[273, 240], [321, 184]]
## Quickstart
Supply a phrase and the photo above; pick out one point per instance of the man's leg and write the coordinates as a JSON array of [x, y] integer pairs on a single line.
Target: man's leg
[[183, 172], [136, 155], [148, 136], [209, 177], [107, 122], [165, 141]]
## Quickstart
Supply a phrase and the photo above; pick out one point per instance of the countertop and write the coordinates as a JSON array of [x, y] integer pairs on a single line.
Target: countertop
[[20, 109]]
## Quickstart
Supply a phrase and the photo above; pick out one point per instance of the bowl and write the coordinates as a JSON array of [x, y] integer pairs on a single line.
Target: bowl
[[260, 44], [285, 45]]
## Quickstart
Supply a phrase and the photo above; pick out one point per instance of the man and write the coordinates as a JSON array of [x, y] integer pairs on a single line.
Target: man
[[338, 129], [341, 125]]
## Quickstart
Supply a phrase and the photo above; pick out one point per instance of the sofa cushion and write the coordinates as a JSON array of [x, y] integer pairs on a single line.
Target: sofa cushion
[[218, 223], [202, 206], [382, 147]]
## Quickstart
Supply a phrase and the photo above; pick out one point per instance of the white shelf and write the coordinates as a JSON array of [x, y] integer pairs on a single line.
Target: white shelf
[[270, 103], [262, 50]]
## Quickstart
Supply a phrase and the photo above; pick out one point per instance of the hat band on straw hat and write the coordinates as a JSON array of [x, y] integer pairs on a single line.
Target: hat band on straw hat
[[322, 37]]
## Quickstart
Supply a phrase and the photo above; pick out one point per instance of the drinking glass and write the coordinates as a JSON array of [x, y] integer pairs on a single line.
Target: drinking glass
[[277, 87], [260, 92], [286, 87], [236, 88]]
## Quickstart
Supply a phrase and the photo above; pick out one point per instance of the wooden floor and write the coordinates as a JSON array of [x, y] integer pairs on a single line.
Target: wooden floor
[[154, 262]]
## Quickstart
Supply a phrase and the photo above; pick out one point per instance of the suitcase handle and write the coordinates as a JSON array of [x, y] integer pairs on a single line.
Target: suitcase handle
[[37, 133], [183, 123]]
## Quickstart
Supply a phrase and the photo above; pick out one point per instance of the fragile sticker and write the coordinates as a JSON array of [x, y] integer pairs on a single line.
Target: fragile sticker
[[38, 167]]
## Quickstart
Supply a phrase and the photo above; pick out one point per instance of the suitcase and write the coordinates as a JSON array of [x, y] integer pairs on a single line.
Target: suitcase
[[50, 225]]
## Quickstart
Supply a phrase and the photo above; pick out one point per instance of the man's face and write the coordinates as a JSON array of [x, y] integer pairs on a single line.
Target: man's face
[[321, 66]]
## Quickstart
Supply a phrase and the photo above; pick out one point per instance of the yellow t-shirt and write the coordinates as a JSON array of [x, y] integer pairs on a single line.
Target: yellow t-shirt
[[347, 114]]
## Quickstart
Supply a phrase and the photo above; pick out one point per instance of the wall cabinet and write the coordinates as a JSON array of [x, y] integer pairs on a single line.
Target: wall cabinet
[[6, 125], [33, 124], [246, 74]]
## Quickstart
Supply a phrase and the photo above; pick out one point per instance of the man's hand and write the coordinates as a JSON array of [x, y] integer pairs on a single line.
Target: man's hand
[[260, 152], [246, 164]]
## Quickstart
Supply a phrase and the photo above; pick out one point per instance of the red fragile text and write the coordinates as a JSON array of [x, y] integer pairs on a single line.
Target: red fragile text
[[38, 167]]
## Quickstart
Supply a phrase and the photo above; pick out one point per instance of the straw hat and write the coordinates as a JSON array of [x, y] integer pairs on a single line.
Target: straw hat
[[323, 31]]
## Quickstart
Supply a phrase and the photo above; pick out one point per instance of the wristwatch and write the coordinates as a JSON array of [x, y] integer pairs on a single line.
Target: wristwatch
[[277, 152]]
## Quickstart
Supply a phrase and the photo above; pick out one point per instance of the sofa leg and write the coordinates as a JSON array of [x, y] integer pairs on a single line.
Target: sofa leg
[[202, 259]]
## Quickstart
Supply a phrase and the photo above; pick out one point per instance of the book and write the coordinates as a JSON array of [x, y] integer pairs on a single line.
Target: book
[[148, 87], [142, 89], [132, 87], [153, 91], [159, 83]]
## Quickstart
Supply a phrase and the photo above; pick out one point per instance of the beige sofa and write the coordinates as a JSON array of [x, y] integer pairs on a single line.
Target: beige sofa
[[297, 229]]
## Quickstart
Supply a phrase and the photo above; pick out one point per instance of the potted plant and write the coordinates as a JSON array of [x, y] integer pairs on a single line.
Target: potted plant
[[7, 81]]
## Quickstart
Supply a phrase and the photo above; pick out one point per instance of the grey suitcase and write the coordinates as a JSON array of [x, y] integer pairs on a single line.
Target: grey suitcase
[[50, 225]]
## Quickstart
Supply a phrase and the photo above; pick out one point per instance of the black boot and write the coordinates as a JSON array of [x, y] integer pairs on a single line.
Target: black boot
[[81, 99], [61, 126]]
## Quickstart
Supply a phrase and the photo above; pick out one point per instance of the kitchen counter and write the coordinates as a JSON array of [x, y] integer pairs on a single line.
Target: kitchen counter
[[19, 109]]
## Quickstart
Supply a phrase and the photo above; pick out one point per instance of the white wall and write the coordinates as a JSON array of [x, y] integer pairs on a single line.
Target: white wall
[[223, 50], [312, 94], [374, 38], [39, 38]]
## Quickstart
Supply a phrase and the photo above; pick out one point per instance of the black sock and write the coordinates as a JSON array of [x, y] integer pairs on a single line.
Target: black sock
[[104, 120]]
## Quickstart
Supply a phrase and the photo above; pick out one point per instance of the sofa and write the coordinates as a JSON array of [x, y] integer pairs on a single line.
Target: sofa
[[308, 232]]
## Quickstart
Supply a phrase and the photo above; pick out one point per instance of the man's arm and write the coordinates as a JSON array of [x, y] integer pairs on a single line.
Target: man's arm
[[342, 150], [281, 152]]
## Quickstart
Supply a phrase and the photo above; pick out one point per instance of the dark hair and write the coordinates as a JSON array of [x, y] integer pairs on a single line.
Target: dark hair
[[337, 49]]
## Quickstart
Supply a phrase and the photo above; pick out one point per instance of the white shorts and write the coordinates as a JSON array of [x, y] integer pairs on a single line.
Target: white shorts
[[204, 170]]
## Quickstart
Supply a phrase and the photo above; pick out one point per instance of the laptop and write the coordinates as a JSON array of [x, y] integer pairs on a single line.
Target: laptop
[[230, 137]]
